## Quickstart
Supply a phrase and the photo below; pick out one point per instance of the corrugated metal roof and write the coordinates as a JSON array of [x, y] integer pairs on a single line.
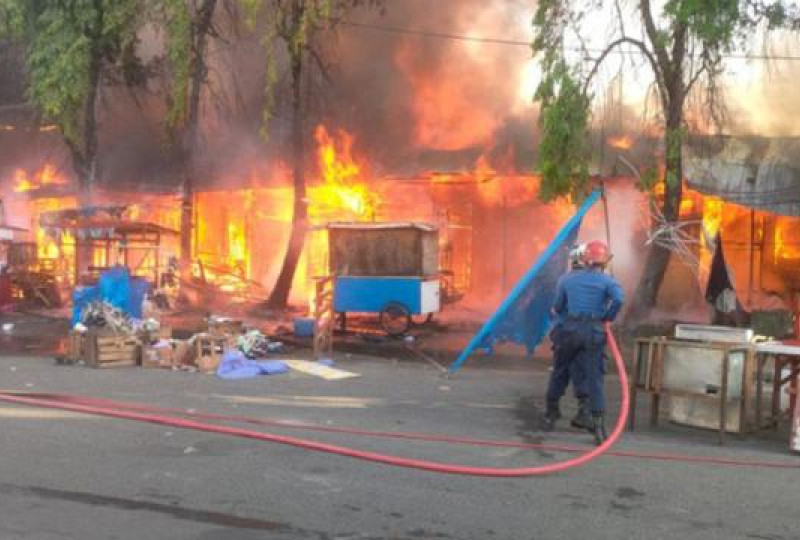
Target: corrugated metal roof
[[756, 172]]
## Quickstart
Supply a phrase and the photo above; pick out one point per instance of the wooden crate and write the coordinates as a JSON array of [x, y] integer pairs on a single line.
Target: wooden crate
[[107, 351], [208, 351], [77, 342], [146, 336]]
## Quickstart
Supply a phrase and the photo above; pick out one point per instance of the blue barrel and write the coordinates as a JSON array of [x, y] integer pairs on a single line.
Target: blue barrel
[[304, 327]]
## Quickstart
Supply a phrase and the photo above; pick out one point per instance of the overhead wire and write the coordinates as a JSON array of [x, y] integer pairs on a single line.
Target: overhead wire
[[520, 43]]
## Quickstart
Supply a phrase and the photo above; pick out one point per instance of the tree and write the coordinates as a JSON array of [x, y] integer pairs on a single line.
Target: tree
[[189, 26], [70, 46], [682, 46], [296, 26]]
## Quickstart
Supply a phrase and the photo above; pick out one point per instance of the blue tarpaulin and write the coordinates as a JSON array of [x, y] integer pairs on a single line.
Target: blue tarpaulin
[[524, 316], [235, 365], [115, 286]]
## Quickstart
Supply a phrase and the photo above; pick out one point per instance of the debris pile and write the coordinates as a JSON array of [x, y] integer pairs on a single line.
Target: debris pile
[[101, 315]]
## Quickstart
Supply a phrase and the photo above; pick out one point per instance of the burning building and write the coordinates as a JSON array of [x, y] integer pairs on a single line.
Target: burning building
[[751, 214]]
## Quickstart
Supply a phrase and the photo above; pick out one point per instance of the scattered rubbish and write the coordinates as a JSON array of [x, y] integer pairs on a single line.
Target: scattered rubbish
[[254, 344], [444, 388], [8, 327], [325, 372], [189, 450], [168, 434], [13, 368], [101, 314]]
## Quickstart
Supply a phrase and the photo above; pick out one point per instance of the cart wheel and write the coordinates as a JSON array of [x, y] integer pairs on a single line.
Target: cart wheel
[[422, 320], [395, 319]]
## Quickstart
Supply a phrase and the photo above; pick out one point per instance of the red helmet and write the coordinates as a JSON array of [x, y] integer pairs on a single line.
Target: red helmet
[[596, 253]]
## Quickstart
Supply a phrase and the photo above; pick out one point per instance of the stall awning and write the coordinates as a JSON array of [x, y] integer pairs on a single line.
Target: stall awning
[[756, 172]]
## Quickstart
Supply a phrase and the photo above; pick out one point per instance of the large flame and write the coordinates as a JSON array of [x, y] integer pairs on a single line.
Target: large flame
[[343, 193], [621, 142], [46, 176]]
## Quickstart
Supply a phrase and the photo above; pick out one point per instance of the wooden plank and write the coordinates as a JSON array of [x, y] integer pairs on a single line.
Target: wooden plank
[[114, 348], [318, 370], [122, 355], [118, 340], [120, 363]]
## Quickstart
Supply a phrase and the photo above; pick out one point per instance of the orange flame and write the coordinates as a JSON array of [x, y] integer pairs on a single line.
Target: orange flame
[[621, 142], [343, 193], [46, 176]]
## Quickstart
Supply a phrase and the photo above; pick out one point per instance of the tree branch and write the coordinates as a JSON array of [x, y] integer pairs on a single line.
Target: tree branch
[[637, 43], [658, 46], [695, 77]]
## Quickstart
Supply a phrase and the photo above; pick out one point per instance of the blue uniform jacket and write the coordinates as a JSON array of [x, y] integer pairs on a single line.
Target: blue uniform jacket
[[588, 293]]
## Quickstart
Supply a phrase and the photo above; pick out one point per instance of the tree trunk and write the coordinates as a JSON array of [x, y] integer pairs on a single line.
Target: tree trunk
[[189, 140], [280, 294], [658, 257], [84, 156]]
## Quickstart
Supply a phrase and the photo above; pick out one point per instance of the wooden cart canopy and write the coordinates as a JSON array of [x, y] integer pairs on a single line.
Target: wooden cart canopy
[[88, 228], [427, 227]]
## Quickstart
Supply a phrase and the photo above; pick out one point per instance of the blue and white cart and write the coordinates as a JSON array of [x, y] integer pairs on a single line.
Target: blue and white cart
[[391, 269]]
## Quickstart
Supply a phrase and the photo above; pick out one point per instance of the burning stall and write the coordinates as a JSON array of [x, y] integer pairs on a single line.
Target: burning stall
[[750, 219], [104, 237]]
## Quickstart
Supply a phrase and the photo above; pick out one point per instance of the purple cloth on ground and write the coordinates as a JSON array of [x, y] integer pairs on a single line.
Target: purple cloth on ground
[[235, 365]]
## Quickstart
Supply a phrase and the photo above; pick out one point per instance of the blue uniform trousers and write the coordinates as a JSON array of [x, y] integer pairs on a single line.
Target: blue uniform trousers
[[578, 349], [564, 371]]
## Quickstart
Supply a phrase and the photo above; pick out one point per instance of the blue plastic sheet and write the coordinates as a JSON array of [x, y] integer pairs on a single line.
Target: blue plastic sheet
[[115, 286], [524, 316], [138, 290], [82, 297], [235, 365]]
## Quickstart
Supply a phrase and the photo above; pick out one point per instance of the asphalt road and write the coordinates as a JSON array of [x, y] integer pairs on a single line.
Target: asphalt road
[[69, 476]]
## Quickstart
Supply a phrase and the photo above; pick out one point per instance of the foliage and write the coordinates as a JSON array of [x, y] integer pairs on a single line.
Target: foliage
[[177, 20], [683, 44], [62, 38], [291, 23], [564, 153]]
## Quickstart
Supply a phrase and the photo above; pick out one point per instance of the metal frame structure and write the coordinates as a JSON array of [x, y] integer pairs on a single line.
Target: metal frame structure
[[647, 374]]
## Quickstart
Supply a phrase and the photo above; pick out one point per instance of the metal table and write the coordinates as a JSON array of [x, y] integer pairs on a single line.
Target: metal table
[[783, 353]]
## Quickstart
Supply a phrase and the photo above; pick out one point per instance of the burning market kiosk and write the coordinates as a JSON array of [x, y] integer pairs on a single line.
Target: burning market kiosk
[[387, 268]]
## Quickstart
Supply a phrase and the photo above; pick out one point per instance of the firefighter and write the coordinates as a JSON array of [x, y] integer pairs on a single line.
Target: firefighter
[[585, 299], [562, 372]]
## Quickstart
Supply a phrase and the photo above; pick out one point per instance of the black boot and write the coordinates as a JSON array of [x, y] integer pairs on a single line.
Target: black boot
[[598, 428], [551, 416], [582, 420]]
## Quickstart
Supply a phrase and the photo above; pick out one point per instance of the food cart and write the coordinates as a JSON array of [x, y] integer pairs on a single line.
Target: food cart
[[390, 269]]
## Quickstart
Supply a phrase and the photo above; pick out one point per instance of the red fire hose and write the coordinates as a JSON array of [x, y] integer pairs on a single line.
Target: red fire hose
[[143, 413], [350, 452]]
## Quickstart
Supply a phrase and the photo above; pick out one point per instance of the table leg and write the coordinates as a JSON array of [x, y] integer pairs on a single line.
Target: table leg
[[723, 405], [633, 385], [760, 360], [655, 407], [776, 391]]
